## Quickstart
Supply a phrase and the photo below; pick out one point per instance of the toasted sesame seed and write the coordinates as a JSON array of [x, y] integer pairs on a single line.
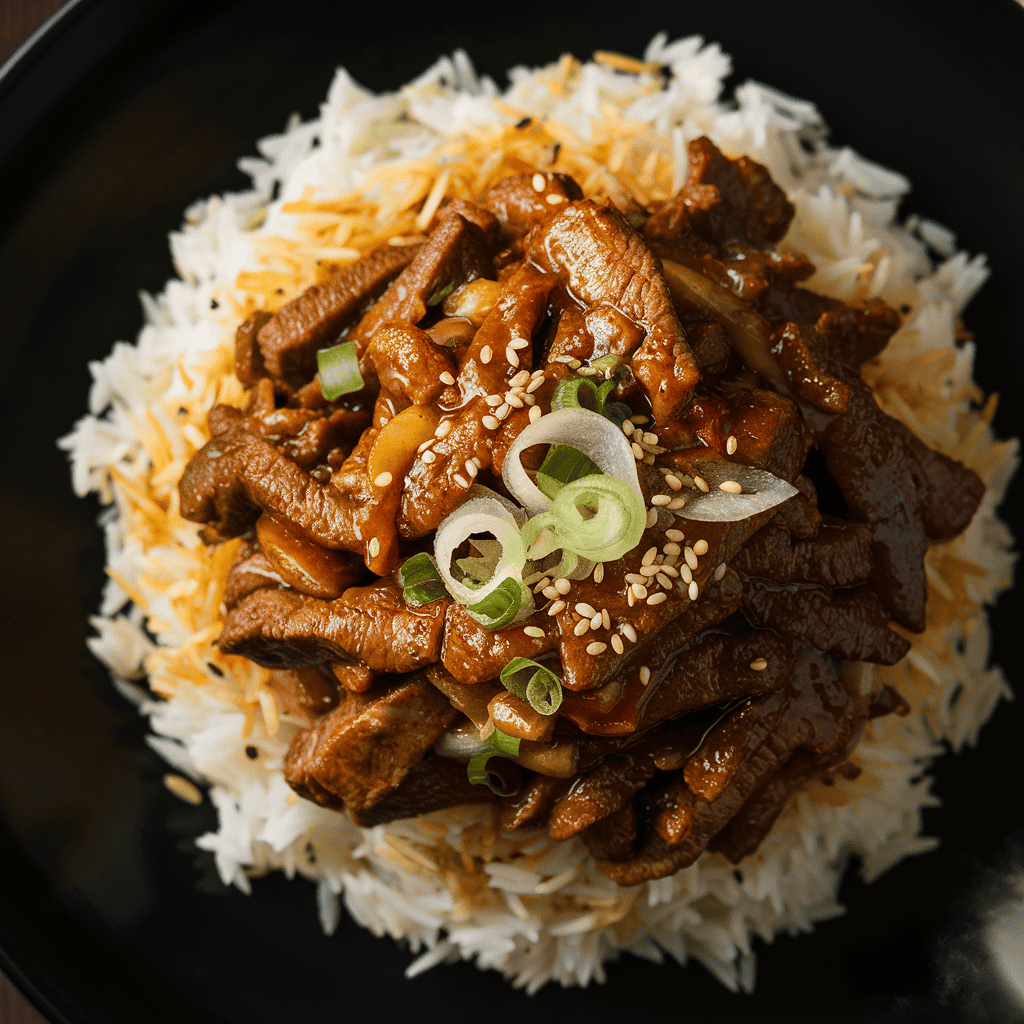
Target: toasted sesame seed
[[617, 645], [554, 198], [690, 556], [535, 413], [664, 580], [446, 378], [720, 571], [519, 344], [657, 598], [701, 484], [676, 503], [668, 569], [373, 547], [606, 619], [635, 577], [514, 400], [428, 457], [685, 575], [660, 499], [671, 548], [471, 468], [638, 452], [599, 572], [649, 555], [558, 606], [652, 517], [759, 664], [693, 590], [511, 356], [649, 570], [502, 411], [650, 438], [630, 597], [675, 535], [596, 648], [541, 584], [688, 481], [584, 609], [459, 479], [638, 590], [562, 585], [550, 593], [535, 383], [426, 444], [520, 379], [382, 479], [628, 631], [535, 631], [731, 487], [731, 444], [627, 427], [529, 399], [538, 182], [645, 675], [491, 422], [700, 547], [596, 622], [581, 627], [442, 428], [485, 354], [674, 482], [494, 400], [639, 418], [183, 789]]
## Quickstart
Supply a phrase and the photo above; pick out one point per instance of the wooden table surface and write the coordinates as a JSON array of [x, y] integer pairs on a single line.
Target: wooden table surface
[[18, 20]]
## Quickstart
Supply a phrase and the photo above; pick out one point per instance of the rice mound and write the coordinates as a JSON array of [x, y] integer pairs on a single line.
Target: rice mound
[[372, 167]]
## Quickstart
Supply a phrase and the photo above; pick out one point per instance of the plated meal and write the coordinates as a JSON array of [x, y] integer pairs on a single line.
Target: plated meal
[[557, 520]]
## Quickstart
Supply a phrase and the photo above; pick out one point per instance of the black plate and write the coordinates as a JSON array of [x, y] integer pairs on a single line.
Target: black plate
[[117, 119]]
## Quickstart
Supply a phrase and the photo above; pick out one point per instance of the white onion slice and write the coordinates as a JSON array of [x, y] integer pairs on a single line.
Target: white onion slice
[[761, 491], [589, 432]]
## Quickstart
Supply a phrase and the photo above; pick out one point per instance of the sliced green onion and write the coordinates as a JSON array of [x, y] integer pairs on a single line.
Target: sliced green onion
[[420, 581], [339, 370], [611, 360], [567, 394], [441, 294], [599, 518], [500, 606], [501, 743], [543, 689], [561, 466]]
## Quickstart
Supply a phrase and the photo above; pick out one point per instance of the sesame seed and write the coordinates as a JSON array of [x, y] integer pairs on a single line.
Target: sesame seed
[[671, 548], [538, 182], [562, 585], [446, 378], [688, 481], [638, 452], [639, 418], [485, 354], [690, 556], [428, 457], [685, 575], [657, 598], [606, 619], [529, 399], [581, 627], [511, 356], [471, 468], [677, 503], [730, 487], [731, 444], [520, 379], [491, 422], [674, 482], [494, 401], [459, 479], [664, 580], [668, 570], [541, 584], [660, 499], [599, 572], [558, 606], [554, 198], [502, 411], [535, 413], [650, 438], [628, 631], [514, 400], [423, 447], [759, 664], [693, 590], [373, 547], [585, 609], [596, 622], [534, 384], [596, 648], [442, 428], [574, 364], [550, 593], [519, 344], [676, 535], [183, 789], [633, 577], [652, 517], [617, 645], [638, 590], [700, 547], [645, 675], [627, 427], [649, 556], [630, 597], [535, 631], [382, 479], [701, 484], [720, 571], [650, 570]]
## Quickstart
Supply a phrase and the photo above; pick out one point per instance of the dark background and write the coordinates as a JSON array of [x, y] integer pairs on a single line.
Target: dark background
[[108, 130]]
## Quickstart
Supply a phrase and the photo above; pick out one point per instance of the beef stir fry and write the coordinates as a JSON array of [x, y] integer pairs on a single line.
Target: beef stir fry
[[661, 690]]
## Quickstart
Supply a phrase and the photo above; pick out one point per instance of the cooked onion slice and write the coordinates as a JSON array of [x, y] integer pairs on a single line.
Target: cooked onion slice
[[761, 490], [339, 370], [588, 432]]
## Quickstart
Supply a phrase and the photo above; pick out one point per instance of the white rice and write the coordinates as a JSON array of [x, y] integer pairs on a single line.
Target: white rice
[[447, 883]]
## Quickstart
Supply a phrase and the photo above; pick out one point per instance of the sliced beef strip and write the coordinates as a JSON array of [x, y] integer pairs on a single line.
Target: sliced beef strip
[[532, 804], [361, 751], [603, 261], [249, 366], [306, 693], [283, 629], [289, 340], [839, 555], [614, 837], [251, 571], [520, 206]]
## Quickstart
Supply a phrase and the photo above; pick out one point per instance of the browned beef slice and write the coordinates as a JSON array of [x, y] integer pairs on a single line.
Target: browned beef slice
[[850, 622], [235, 476], [603, 261], [361, 751], [304, 692], [283, 629], [314, 319], [251, 571], [456, 251], [519, 206], [614, 837], [838, 556], [723, 201], [248, 357], [532, 804]]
